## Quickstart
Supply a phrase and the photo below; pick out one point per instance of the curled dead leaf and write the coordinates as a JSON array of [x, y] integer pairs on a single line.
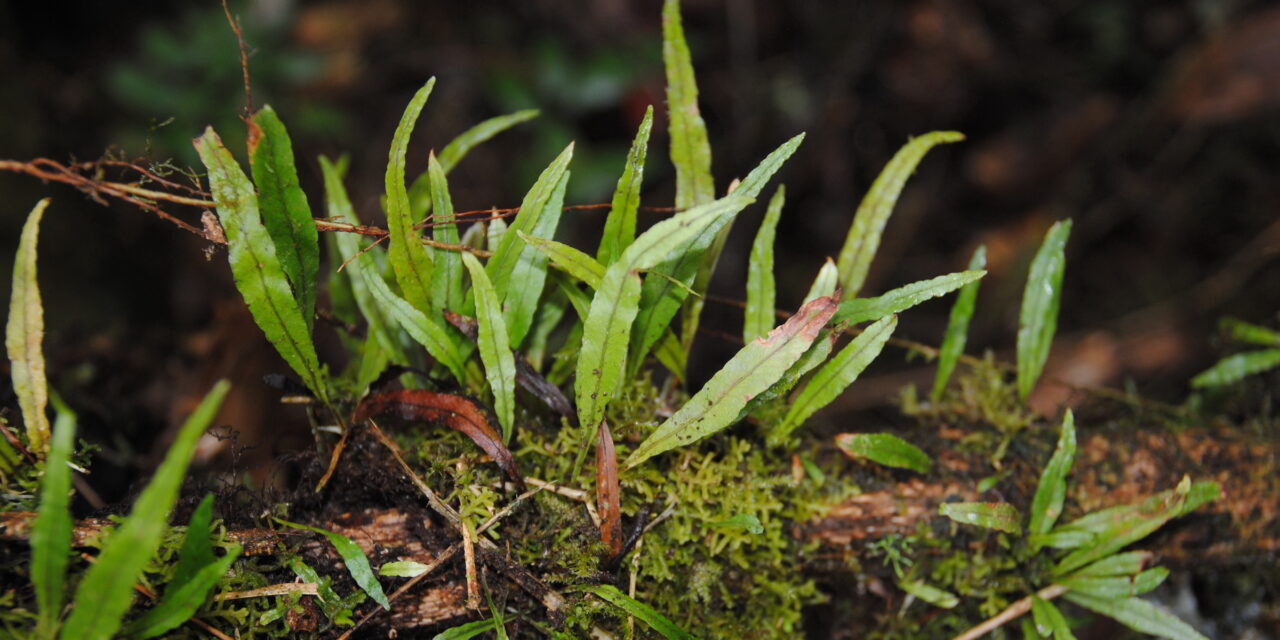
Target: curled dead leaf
[[608, 493], [456, 412]]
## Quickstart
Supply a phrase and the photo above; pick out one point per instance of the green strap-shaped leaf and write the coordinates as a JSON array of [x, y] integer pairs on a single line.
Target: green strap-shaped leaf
[[495, 351], [25, 334], [517, 270], [661, 297], [1095, 528], [492, 236], [898, 300], [410, 259], [1235, 368], [568, 259], [750, 372], [1000, 516], [180, 603], [447, 278], [620, 226], [467, 630], [641, 611], [196, 552], [1116, 586], [1139, 615], [758, 318], [690, 150], [873, 213], [606, 332], [751, 186], [1049, 621], [550, 312], [457, 149], [1122, 528], [51, 531], [104, 594], [254, 264], [353, 556], [835, 376], [285, 210], [816, 355], [1241, 331], [884, 449], [825, 283], [1046, 506], [1121, 564], [422, 328], [1039, 318], [958, 326], [338, 206]]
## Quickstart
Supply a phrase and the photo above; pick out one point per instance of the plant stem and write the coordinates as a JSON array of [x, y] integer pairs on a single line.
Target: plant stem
[[1012, 612]]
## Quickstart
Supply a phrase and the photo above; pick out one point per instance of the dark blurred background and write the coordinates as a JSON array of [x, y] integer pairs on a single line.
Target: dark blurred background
[[1154, 125]]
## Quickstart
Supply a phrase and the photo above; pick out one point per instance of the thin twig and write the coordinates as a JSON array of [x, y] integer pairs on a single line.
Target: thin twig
[[442, 558], [305, 588], [244, 60], [469, 561], [1011, 613]]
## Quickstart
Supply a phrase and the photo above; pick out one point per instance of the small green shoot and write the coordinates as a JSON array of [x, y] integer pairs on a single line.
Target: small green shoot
[[409, 258], [856, 310], [353, 556], [929, 593], [1000, 516], [758, 318], [1046, 506], [620, 226], [51, 531], [641, 611], [884, 449], [495, 351]]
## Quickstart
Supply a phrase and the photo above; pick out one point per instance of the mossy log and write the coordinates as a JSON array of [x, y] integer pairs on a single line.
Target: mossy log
[[1114, 466]]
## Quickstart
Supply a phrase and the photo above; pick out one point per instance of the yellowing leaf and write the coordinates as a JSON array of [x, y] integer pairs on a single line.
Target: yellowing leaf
[[752, 371], [24, 335]]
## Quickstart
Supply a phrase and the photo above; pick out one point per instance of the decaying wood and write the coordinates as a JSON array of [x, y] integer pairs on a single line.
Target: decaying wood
[[1112, 467]]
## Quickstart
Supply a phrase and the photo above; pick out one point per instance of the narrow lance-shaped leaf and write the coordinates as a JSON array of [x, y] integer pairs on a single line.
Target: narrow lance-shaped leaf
[[568, 259], [196, 549], [1139, 615], [641, 611], [751, 186], [517, 270], [338, 207], [835, 376], [884, 449], [662, 296], [25, 334], [495, 351], [1000, 516], [1093, 529], [458, 148], [1241, 331], [1039, 318], [758, 318], [255, 266], [1235, 368], [958, 325], [446, 280], [1116, 586], [752, 371], [816, 355], [107, 588], [929, 593], [285, 210], [690, 150], [467, 630], [873, 213], [606, 332], [1046, 506], [608, 493], [51, 531], [825, 284], [353, 556], [620, 226], [898, 300], [410, 259], [1118, 533]]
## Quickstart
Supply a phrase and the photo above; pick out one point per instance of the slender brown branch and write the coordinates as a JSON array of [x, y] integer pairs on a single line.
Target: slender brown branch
[[244, 60], [1013, 612]]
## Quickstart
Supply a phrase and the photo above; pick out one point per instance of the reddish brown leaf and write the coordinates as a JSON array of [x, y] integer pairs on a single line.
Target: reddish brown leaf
[[608, 493], [456, 412]]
